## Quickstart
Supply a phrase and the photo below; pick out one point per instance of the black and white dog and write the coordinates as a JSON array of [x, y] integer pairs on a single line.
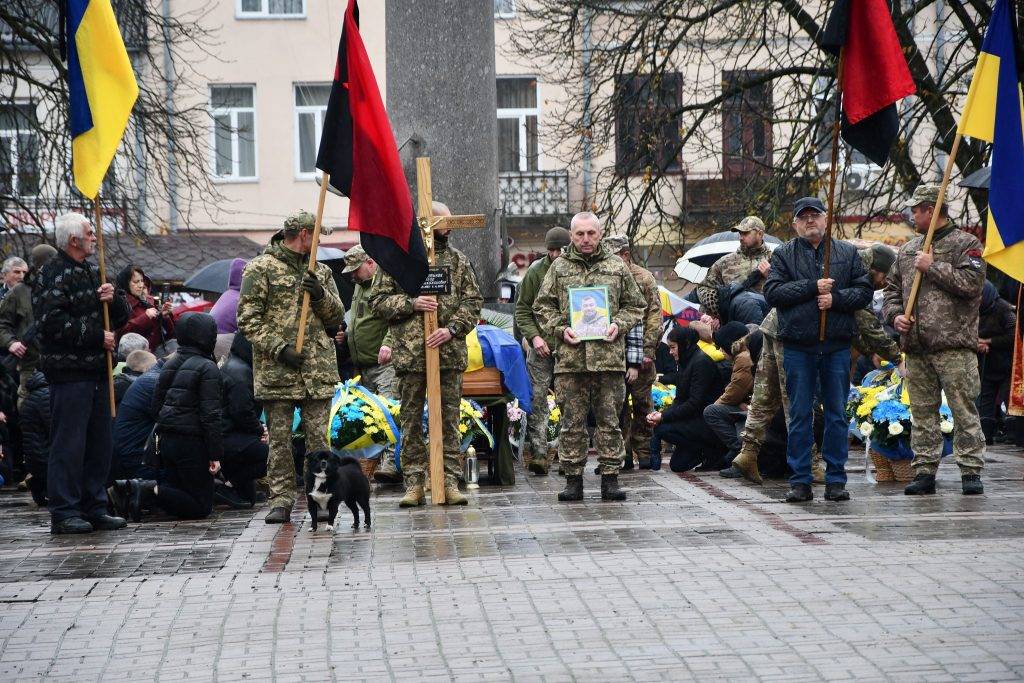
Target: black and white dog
[[331, 480]]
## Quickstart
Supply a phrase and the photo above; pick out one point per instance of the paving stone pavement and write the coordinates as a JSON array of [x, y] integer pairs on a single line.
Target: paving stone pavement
[[694, 577]]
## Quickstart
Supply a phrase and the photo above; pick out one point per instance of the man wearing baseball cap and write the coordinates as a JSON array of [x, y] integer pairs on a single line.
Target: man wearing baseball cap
[[732, 289], [941, 341], [273, 285]]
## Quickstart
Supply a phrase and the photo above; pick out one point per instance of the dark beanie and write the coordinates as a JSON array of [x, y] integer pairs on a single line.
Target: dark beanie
[[41, 253], [882, 258], [728, 334], [556, 238]]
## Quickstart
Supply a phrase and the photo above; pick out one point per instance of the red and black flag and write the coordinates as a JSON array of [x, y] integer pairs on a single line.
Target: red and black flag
[[358, 150], [875, 74]]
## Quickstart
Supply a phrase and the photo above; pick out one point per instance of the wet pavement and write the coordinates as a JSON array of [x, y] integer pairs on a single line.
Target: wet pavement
[[693, 577]]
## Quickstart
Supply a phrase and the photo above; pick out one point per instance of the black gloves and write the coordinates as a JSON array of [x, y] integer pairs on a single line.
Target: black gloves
[[290, 357], [311, 284]]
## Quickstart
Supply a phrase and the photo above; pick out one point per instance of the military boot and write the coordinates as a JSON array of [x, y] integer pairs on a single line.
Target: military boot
[[573, 489], [745, 465], [923, 484], [413, 497], [279, 515], [538, 467], [610, 488], [972, 485], [386, 473], [452, 496], [817, 466]]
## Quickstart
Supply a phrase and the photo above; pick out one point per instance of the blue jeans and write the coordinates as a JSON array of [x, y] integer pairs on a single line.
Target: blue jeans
[[80, 451], [830, 373]]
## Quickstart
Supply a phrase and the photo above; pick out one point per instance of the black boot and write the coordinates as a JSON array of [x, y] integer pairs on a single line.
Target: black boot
[[140, 494], [972, 485], [799, 493], [923, 484], [117, 494], [573, 489], [227, 495], [71, 525], [627, 462], [836, 492], [610, 488]]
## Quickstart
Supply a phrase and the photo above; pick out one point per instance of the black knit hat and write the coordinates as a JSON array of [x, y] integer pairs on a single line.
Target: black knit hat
[[882, 257], [728, 334]]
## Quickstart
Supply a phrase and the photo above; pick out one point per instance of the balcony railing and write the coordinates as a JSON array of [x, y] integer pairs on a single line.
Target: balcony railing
[[534, 193], [40, 18]]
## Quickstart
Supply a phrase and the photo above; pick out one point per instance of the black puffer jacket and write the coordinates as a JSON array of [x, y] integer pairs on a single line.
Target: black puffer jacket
[[996, 321], [35, 424], [188, 394], [241, 409], [792, 288], [698, 383]]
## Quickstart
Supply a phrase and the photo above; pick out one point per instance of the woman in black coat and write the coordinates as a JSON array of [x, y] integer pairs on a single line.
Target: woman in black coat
[[698, 383], [187, 401], [34, 415], [245, 437], [997, 324]]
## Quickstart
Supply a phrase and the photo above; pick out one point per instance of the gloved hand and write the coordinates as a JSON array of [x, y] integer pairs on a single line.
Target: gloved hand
[[290, 357], [311, 284]]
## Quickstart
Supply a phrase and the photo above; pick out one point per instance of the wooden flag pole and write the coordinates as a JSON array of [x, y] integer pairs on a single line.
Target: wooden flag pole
[[101, 256], [300, 339], [823, 315], [908, 311]]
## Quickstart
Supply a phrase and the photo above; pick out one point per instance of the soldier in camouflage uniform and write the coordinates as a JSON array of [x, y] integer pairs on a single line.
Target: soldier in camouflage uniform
[[739, 277], [640, 372], [273, 284], [589, 375], [457, 316], [770, 378], [539, 361], [941, 341]]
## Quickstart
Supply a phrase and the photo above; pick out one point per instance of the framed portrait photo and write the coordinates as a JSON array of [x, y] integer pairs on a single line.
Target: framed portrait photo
[[589, 317]]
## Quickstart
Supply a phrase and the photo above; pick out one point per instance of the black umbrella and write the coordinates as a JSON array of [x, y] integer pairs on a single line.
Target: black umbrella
[[213, 277], [978, 180]]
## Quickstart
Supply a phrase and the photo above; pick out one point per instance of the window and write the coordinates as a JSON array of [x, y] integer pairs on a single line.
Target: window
[[310, 111], [517, 124], [19, 150], [234, 132], [270, 9], [823, 137], [647, 123], [504, 9], [746, 126]]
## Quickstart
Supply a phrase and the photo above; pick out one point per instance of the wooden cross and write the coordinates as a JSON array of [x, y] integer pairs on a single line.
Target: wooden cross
[[428, 224]]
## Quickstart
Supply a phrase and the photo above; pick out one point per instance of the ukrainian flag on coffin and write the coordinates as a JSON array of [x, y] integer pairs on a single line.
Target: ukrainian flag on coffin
[[995, 112], [102, 88]]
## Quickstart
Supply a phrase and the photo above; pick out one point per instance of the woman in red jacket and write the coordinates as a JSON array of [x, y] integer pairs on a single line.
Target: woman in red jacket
[[148, 318]]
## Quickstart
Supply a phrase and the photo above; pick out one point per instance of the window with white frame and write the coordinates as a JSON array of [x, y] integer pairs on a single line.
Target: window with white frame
[[270, 9], [310, 111], [517, 124], [504, 9], [19, 150], [234, 131]]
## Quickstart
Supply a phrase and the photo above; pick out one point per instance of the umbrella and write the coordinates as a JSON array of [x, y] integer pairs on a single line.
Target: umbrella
[[213, 277], [978, 180], [694, 264]]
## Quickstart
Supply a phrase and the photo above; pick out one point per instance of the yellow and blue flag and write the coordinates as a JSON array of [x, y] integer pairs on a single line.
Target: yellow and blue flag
[[995, 112], [102, 88]]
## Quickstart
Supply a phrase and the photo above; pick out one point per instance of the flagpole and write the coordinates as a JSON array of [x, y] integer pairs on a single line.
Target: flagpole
[[823, 315], [98, 220], [908, 312], [304, 313]]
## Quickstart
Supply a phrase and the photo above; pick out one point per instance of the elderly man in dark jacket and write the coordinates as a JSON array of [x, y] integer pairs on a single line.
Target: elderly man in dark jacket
[[798, 288], [68, 303]]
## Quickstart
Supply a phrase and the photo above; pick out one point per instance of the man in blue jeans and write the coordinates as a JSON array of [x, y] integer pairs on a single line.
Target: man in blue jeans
[[799, 290]]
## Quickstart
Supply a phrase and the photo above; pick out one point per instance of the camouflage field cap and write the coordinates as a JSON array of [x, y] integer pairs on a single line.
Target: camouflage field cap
[[616, 244], [354, 258], [303, 220], [924, 194], [747, 224]]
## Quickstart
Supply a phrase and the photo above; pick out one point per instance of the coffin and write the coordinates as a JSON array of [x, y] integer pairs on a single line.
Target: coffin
[[482, 382]]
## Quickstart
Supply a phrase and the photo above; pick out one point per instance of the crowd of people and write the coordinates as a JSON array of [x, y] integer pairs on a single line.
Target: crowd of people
[[206, 404]]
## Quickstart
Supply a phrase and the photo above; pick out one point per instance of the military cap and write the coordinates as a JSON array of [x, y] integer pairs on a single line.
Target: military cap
[[747, 224], [303, 220], [354, 258], [882, 257], [616, 244], [556, 238], [924, 194]]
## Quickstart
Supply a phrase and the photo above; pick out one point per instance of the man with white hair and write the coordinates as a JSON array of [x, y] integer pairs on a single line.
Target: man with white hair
[[73, 344], [12, 271]]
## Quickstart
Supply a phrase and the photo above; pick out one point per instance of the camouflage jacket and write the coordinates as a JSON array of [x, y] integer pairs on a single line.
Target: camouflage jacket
[[268, 314], [946, 316], [525, 316], [458, 311], [652, 310], [734, 267], [625, 305]]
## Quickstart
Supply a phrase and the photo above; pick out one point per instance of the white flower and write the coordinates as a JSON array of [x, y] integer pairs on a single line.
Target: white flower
[[865, 428], [895, 428], [946, 426]]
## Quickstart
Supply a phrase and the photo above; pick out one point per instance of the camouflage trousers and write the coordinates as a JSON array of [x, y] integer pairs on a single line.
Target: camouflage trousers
[[542, 372], [281, 463], [381, 380], [636, 433], [577, 393], [769, 395], [412, 390], [954, 371]]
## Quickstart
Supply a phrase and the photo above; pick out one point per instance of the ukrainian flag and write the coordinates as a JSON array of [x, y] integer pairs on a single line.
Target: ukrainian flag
[[995, 112], [102, 88]]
